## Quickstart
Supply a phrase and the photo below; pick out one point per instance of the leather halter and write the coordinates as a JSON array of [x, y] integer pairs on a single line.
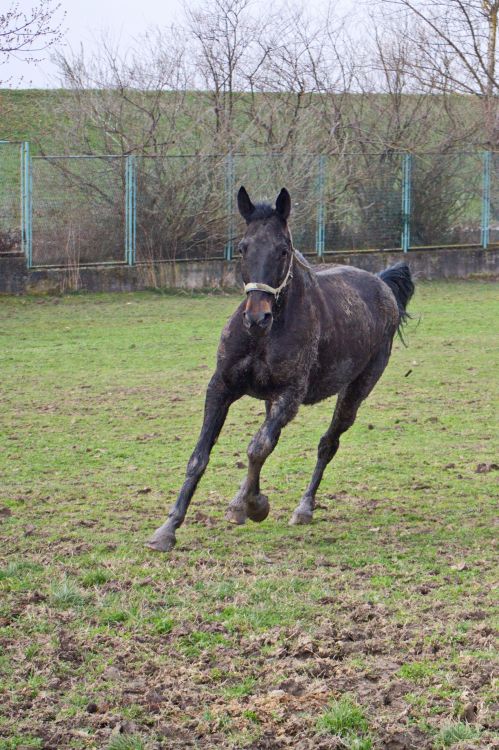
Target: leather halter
[[257, 287]]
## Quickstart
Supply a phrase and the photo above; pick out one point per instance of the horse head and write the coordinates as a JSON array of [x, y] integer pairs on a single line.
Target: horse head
[[266, 257]]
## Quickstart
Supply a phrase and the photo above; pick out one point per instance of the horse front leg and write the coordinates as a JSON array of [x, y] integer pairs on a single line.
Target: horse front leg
[[218, 400], [249, 501]]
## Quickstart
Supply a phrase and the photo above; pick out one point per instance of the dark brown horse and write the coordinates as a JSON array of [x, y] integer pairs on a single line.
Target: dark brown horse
[[303, 334]]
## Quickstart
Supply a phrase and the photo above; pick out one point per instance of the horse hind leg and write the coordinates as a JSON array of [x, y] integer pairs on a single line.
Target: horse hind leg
[[345, 413]]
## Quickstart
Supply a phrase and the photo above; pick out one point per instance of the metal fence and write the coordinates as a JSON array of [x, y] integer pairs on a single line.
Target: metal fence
[[78, 210], [14, 194]]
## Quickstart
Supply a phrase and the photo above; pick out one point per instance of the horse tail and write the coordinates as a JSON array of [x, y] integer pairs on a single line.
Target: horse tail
[[399, 279]]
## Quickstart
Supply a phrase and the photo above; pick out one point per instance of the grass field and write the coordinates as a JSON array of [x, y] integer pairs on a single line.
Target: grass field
[[370, 629]]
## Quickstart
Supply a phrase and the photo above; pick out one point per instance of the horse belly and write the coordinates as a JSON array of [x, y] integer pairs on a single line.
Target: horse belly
[[326, 382]]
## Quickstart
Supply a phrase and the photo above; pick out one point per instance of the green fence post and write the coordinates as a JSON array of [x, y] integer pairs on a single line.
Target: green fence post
[[406, 202], [26, 204], [229, 193], [320, 231], [130, 210], [487, 158]]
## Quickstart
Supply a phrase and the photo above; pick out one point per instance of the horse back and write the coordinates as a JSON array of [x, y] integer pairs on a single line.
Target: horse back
[[358, 317], [352, 294]]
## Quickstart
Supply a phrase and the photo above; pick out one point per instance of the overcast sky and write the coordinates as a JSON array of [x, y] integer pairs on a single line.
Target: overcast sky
[[122, 19]]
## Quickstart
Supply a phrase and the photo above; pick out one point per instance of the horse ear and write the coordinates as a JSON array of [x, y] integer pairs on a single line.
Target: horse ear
[[283, 204], [244, 204]]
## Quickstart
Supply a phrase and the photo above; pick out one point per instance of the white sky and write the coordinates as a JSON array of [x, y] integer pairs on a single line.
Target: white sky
[[122, 19]]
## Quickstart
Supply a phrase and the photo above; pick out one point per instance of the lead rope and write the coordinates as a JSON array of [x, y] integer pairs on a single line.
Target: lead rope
[[257, 287]]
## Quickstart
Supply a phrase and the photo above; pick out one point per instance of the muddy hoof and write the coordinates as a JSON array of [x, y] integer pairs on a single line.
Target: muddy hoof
[[258, 508], [235, 515], [162, 541], [300, 518]]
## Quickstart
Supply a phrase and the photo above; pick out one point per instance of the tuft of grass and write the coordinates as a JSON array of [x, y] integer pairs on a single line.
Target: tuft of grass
[[95, 578], [417, 670], [65, 594], [251, 716], [196, 642], [113, 617], [454, 733], [126, 742], [343, 717], [13, 743], [245, 687], [17, 569], [358, 743], [162, 625]]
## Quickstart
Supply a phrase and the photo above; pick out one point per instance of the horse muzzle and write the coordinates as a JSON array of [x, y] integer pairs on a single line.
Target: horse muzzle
[[257, 315]]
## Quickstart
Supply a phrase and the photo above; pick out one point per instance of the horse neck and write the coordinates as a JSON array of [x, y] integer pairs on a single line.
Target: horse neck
[[296, 292]]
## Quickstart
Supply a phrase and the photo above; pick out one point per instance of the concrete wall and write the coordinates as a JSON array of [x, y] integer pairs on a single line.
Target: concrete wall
[[13, 274], [445, 263]]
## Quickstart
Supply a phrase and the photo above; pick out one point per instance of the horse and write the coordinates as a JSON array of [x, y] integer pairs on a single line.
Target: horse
[[303, 334]]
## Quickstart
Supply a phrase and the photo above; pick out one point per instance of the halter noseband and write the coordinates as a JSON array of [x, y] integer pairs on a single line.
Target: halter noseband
[[256, 287]]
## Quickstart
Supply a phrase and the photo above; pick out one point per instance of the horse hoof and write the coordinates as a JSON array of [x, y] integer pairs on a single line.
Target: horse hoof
[[161, 541], [235, 515], [259, 508], [300, 518]]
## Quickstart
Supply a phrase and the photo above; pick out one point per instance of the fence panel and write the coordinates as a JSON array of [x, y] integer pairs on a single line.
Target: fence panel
[[11, 196], [446, 199], [494, 199], [364, 202], [181, 207], [263, 176], [78, 210]]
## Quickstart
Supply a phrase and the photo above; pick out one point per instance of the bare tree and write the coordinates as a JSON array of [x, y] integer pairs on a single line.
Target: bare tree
[[228, 51], [27, 34], [126, 103], [454, 49]]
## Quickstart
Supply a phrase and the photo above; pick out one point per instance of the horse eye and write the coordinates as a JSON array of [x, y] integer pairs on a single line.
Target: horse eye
[[241, 247]]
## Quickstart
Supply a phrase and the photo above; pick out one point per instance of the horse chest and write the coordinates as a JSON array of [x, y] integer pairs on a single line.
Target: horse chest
[[260, 376]]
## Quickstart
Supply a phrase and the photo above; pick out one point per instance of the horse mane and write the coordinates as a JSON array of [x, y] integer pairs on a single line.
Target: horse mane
[[303, 261]]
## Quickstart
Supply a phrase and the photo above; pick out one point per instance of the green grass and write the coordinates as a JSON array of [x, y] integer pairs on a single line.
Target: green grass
[[454, 733], [46, 117], [256, 631], [126, 742], [343, 717], [418, 671], [66, 593]]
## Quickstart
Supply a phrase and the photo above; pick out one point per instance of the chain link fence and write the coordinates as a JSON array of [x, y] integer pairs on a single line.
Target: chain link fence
[[11, 197], [181, 207], [78, 210], [447, 193], [71, 211], [491, 221], [364, 202]]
